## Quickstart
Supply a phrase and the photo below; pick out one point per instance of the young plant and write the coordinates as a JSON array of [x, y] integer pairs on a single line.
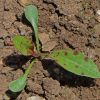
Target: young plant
[[68, 59], [31, 14]]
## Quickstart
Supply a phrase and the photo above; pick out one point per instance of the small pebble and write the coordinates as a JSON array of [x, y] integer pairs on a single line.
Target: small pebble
[[5, 97], [35, 98], [24, 2], [98, 12], [98, 15], [49, 46]]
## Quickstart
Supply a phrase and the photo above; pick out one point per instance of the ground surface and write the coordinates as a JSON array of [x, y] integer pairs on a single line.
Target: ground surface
[[71, 24]]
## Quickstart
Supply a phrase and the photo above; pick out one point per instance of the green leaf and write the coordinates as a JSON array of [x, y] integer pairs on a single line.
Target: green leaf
[[31, 13], [18, 85], [23, 45], [76, 63]]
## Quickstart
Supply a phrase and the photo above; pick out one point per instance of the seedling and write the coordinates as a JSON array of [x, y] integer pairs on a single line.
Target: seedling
[[68, 59]]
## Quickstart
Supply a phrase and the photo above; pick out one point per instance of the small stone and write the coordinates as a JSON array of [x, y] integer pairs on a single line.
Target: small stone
[[49, 46], [5, 97], [98, 18], [44, 38], [47, 43], [24, 2], [98, 12], [35, 98], [98, 15]]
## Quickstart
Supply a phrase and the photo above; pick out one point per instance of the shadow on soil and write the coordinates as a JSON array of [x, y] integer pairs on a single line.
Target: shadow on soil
[[65, 77], [12, 95], [15, 61], [55, 71]]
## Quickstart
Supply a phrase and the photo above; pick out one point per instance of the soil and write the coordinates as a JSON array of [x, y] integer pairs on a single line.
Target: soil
[[72, 24]]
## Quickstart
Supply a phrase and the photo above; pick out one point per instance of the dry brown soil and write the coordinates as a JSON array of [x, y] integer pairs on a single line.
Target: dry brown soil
[[72, 24]]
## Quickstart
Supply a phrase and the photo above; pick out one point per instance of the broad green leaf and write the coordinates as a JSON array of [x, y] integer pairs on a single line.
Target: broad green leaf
[[23, 45], [76, 63], [18, 85], [31, 13]]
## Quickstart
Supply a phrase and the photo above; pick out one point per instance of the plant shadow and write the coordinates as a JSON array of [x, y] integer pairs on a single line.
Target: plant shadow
[[15, 61], [65, 77], [12, 95]]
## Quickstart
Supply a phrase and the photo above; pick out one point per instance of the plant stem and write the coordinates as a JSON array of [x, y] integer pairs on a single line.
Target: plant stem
[[37, 42], [29, 68], [36, 37]]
